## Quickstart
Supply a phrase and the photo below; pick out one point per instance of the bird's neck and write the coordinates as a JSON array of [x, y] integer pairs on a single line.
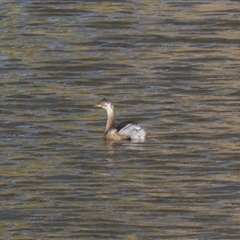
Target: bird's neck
[[110, 120]]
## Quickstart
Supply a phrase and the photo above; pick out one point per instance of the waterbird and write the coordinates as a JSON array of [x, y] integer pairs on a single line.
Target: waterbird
[[123, 131]]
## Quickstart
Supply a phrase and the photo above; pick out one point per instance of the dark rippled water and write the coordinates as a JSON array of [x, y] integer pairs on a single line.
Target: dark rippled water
[[172, 66]]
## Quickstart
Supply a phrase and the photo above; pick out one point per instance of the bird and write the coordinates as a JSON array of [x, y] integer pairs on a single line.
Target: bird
[[123, 131]]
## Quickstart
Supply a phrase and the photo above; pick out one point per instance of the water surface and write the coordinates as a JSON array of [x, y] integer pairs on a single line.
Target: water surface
[[172, 66]]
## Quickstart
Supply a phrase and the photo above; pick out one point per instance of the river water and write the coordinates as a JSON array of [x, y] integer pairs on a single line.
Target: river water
[[172, 66]]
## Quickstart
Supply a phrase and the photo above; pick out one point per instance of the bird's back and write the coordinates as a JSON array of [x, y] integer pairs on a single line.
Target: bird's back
[[134, 131]]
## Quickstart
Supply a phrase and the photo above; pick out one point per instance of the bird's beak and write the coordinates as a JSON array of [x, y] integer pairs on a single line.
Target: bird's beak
[[98, 105]]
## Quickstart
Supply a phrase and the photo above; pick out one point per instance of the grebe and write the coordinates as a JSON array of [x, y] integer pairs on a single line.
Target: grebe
[[123, 131]]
